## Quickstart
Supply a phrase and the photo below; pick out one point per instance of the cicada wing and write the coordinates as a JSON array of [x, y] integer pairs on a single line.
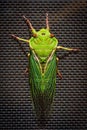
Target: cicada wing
[[35, 77], [50, 77], [42, 85]]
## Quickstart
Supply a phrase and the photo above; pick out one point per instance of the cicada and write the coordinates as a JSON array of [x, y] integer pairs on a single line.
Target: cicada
[[42, 65]]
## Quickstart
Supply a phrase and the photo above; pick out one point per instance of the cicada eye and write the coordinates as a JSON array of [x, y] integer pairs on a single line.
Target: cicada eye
[[51, 35], [35, 35]]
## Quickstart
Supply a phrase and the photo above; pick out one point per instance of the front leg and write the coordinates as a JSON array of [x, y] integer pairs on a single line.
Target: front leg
[[19, 39], [67, 49]]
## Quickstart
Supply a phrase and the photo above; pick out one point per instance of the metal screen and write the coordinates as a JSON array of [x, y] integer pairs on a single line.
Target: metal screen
[[67, 19]]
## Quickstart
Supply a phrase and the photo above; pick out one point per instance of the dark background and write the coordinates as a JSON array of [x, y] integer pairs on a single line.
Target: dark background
[[67, 19]]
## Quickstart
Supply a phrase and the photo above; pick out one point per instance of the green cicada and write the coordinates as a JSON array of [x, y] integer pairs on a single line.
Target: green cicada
[[42, 66]]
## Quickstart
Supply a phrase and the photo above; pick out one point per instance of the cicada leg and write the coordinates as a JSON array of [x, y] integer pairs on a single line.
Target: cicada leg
[[18, 40], [67, 49], [27, 68], [58, 72]]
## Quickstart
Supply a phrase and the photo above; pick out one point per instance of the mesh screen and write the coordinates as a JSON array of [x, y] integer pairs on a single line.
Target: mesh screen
[[67, 20]]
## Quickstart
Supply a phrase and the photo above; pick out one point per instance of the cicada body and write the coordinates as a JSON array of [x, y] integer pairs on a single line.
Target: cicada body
[[42, 66]]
